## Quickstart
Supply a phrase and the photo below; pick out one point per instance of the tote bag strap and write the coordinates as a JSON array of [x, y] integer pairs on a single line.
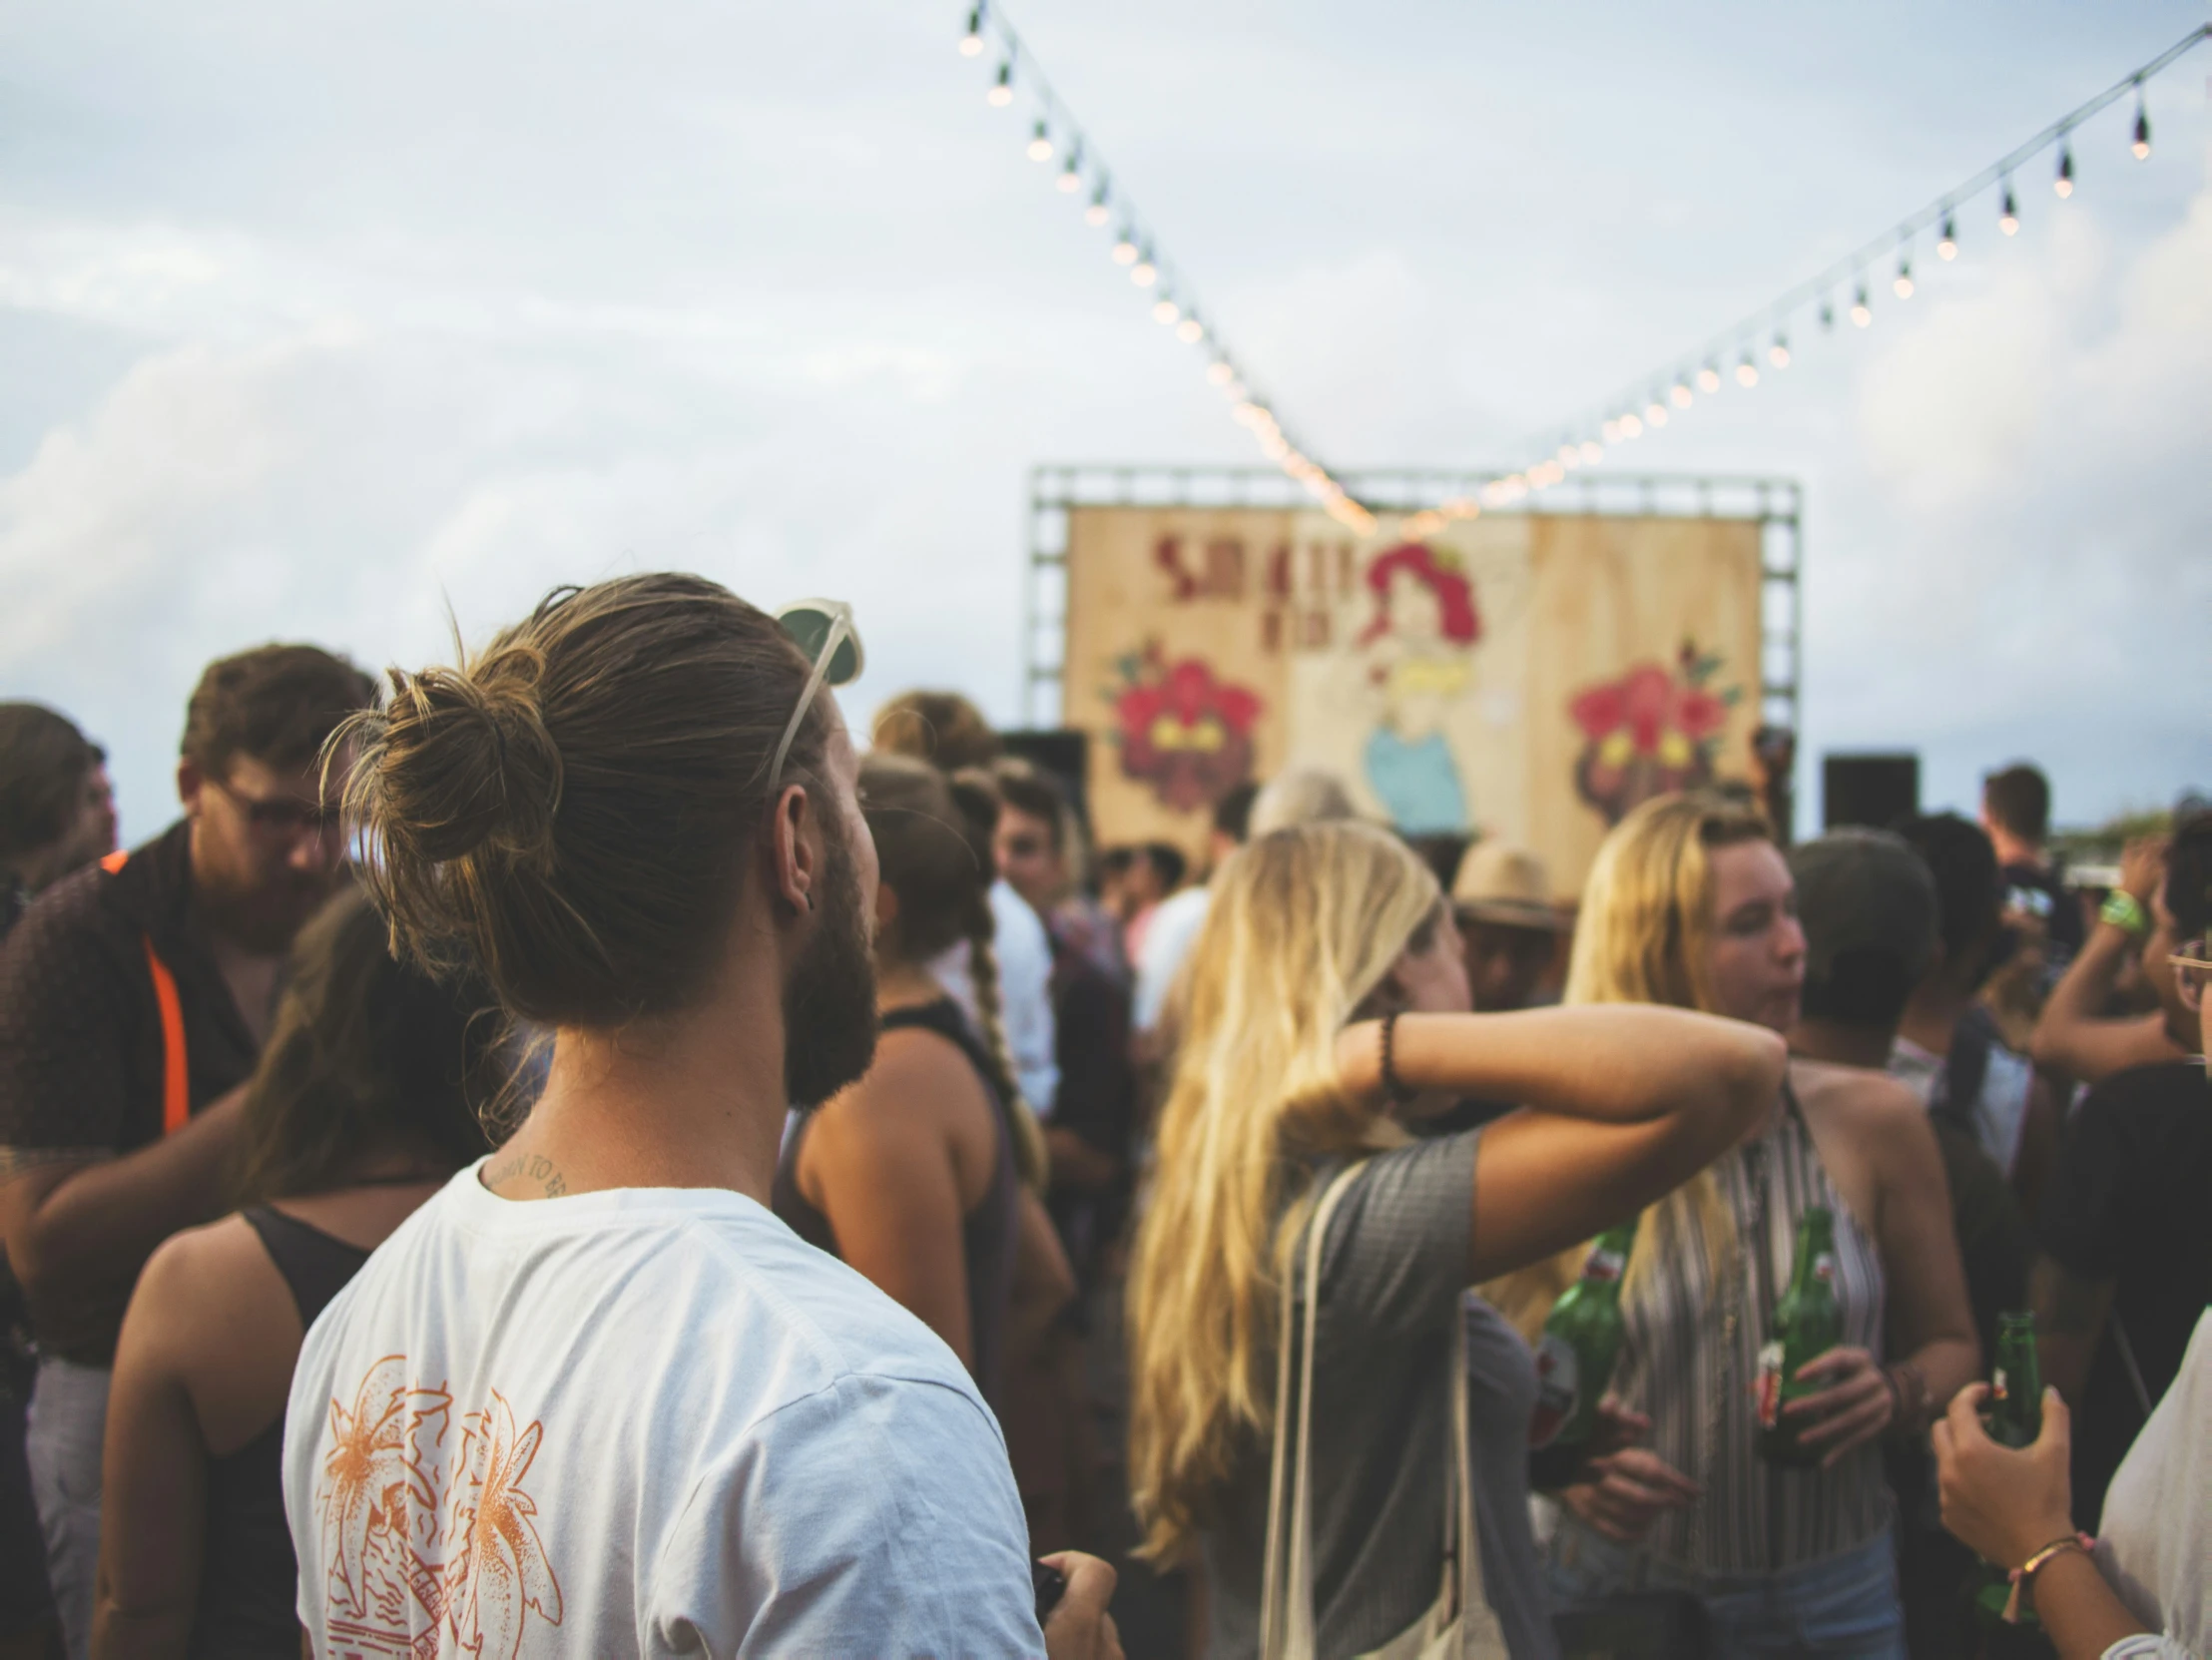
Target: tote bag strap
[[1287, 1588], [1481, 1636]]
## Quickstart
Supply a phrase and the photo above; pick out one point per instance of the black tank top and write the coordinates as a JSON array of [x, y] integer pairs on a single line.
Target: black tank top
[[248, 1577], [987, 1231]]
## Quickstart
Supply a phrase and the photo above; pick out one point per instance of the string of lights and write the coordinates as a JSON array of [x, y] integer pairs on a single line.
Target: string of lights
[[1055, 134], [1651, 400]]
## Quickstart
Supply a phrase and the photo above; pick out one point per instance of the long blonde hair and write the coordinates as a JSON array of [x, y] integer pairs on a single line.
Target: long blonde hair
[[1303, 926], [1643, 934]]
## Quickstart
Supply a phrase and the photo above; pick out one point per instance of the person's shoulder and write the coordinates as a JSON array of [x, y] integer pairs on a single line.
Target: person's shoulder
[[1866, 1096], [203, 1282], [70, 915]]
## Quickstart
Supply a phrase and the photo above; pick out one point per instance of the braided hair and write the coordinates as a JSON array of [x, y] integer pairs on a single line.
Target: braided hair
[[933, 840]]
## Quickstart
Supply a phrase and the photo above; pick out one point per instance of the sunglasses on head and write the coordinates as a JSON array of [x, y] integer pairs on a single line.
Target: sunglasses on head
[[825, 632]]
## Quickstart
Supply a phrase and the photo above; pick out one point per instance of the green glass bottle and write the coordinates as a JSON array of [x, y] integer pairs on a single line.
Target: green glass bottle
[[2013, 1417], [1574, 1362], [1808, 1322]]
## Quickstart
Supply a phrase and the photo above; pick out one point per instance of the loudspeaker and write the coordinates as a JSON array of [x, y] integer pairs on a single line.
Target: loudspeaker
[[1874, 790]]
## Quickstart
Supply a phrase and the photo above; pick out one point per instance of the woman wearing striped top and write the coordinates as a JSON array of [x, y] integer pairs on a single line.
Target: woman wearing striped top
[[1690, 903]]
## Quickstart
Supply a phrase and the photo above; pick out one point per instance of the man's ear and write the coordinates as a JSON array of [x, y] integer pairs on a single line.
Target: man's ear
[[794, 852], [886, 906], [190, 782]]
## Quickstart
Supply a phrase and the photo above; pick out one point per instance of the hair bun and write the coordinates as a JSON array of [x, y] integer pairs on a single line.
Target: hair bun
[[466, 763]]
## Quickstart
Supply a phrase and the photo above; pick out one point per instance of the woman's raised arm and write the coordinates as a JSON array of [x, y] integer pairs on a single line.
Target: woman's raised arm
[[1626, 1103]]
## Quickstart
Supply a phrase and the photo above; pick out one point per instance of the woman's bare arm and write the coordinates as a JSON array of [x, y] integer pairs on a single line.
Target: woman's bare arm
[[1930, 1320], [2075, 1036], [1627, 1102], [878, 1163], [154, 1489]]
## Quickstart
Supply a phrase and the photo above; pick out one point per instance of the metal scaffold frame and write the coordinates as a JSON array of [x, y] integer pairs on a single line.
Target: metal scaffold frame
[[1056, 487]]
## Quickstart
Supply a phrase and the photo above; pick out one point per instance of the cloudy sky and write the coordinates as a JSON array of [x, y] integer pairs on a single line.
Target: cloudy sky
[[316, 319]]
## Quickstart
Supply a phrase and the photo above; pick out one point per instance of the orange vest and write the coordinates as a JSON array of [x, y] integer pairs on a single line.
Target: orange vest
[[176, 1081]]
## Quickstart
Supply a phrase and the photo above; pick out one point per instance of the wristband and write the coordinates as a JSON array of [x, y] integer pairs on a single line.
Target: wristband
[[2125, 912]]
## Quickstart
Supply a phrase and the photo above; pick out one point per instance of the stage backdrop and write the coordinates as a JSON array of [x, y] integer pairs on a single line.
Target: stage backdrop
[[1525, 676]]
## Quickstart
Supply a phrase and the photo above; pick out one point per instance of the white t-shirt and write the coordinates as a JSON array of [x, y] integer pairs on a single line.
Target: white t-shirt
[[1167, 942], [1024, 953], [2001, 1112], [2156, 1547], [649, 1421]]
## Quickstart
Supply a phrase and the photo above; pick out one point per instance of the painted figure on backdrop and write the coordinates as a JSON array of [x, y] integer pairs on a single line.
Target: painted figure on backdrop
[[1650, 733], [1420, 645], [1181, 730]]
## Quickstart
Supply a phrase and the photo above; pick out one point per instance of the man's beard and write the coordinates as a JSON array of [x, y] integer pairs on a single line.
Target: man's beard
[[261, 911], [829, 1021]]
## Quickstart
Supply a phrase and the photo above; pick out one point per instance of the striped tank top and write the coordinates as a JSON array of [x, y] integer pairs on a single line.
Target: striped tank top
[[1690, 1356]]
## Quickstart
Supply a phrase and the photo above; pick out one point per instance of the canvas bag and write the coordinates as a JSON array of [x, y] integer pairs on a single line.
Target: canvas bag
[[1460, 1622]]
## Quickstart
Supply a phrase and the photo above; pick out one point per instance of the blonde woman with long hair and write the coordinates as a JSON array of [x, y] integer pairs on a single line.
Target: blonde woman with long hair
[[1326, 988], [1690, 903]]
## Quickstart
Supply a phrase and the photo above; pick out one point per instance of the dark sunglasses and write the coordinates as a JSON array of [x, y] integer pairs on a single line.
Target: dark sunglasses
[[824, 631]]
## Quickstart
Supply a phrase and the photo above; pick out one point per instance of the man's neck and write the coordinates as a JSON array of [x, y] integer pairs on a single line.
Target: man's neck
[[2012, 849], [1931, 1015], [694, 1100], [1841, 1042]]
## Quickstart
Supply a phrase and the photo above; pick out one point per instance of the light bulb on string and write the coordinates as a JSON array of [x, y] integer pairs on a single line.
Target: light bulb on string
[[1143, 272], [1655, 413], [1947, 246], [1709, 379], [1071, 176], [1002, 89], [1125, 248], [1219, 371], [1630, 426], [1680, 394], [1747, 373], [2008, 216], [1828, 316], [2063, 183], [1190, 332], [1610, 429], [1165, 310], [1779, 354], [1569, 457], [1592, 452], [1097, 212], [1862, 313], [1040, 143], [971, 43], [2142, 145], [1902, 287]]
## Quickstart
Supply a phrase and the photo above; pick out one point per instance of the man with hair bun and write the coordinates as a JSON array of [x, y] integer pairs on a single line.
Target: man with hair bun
[[593, 1397], [134, 999]]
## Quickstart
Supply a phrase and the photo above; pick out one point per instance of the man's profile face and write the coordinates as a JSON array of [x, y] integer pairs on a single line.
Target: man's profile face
[[1028, 857], [268, 847], [91, 832], [829, 1017], [1504, 963]]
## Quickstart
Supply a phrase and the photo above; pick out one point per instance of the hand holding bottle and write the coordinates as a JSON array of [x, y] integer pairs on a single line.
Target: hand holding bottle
[[1633, 1489], [2003, 1504], [1855, 1406]]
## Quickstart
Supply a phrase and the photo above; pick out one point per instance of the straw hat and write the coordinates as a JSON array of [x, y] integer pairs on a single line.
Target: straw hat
[[1498, 883]]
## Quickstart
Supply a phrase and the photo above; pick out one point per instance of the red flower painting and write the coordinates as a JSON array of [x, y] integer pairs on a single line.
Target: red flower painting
[[1183, 731], [1649, 733]]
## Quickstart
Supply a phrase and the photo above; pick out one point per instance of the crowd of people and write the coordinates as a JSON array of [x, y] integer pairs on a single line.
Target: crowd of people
[[578, 1151]]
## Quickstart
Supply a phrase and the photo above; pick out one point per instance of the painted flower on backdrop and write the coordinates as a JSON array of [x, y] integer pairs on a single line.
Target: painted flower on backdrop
[[1181, 728], [1651, 731]]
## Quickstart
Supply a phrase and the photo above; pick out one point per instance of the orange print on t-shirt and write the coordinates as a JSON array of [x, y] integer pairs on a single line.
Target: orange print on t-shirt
[[422, 1536]]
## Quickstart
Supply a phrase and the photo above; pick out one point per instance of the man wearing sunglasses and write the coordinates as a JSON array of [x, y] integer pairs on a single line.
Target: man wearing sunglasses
[[134, 1000]]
